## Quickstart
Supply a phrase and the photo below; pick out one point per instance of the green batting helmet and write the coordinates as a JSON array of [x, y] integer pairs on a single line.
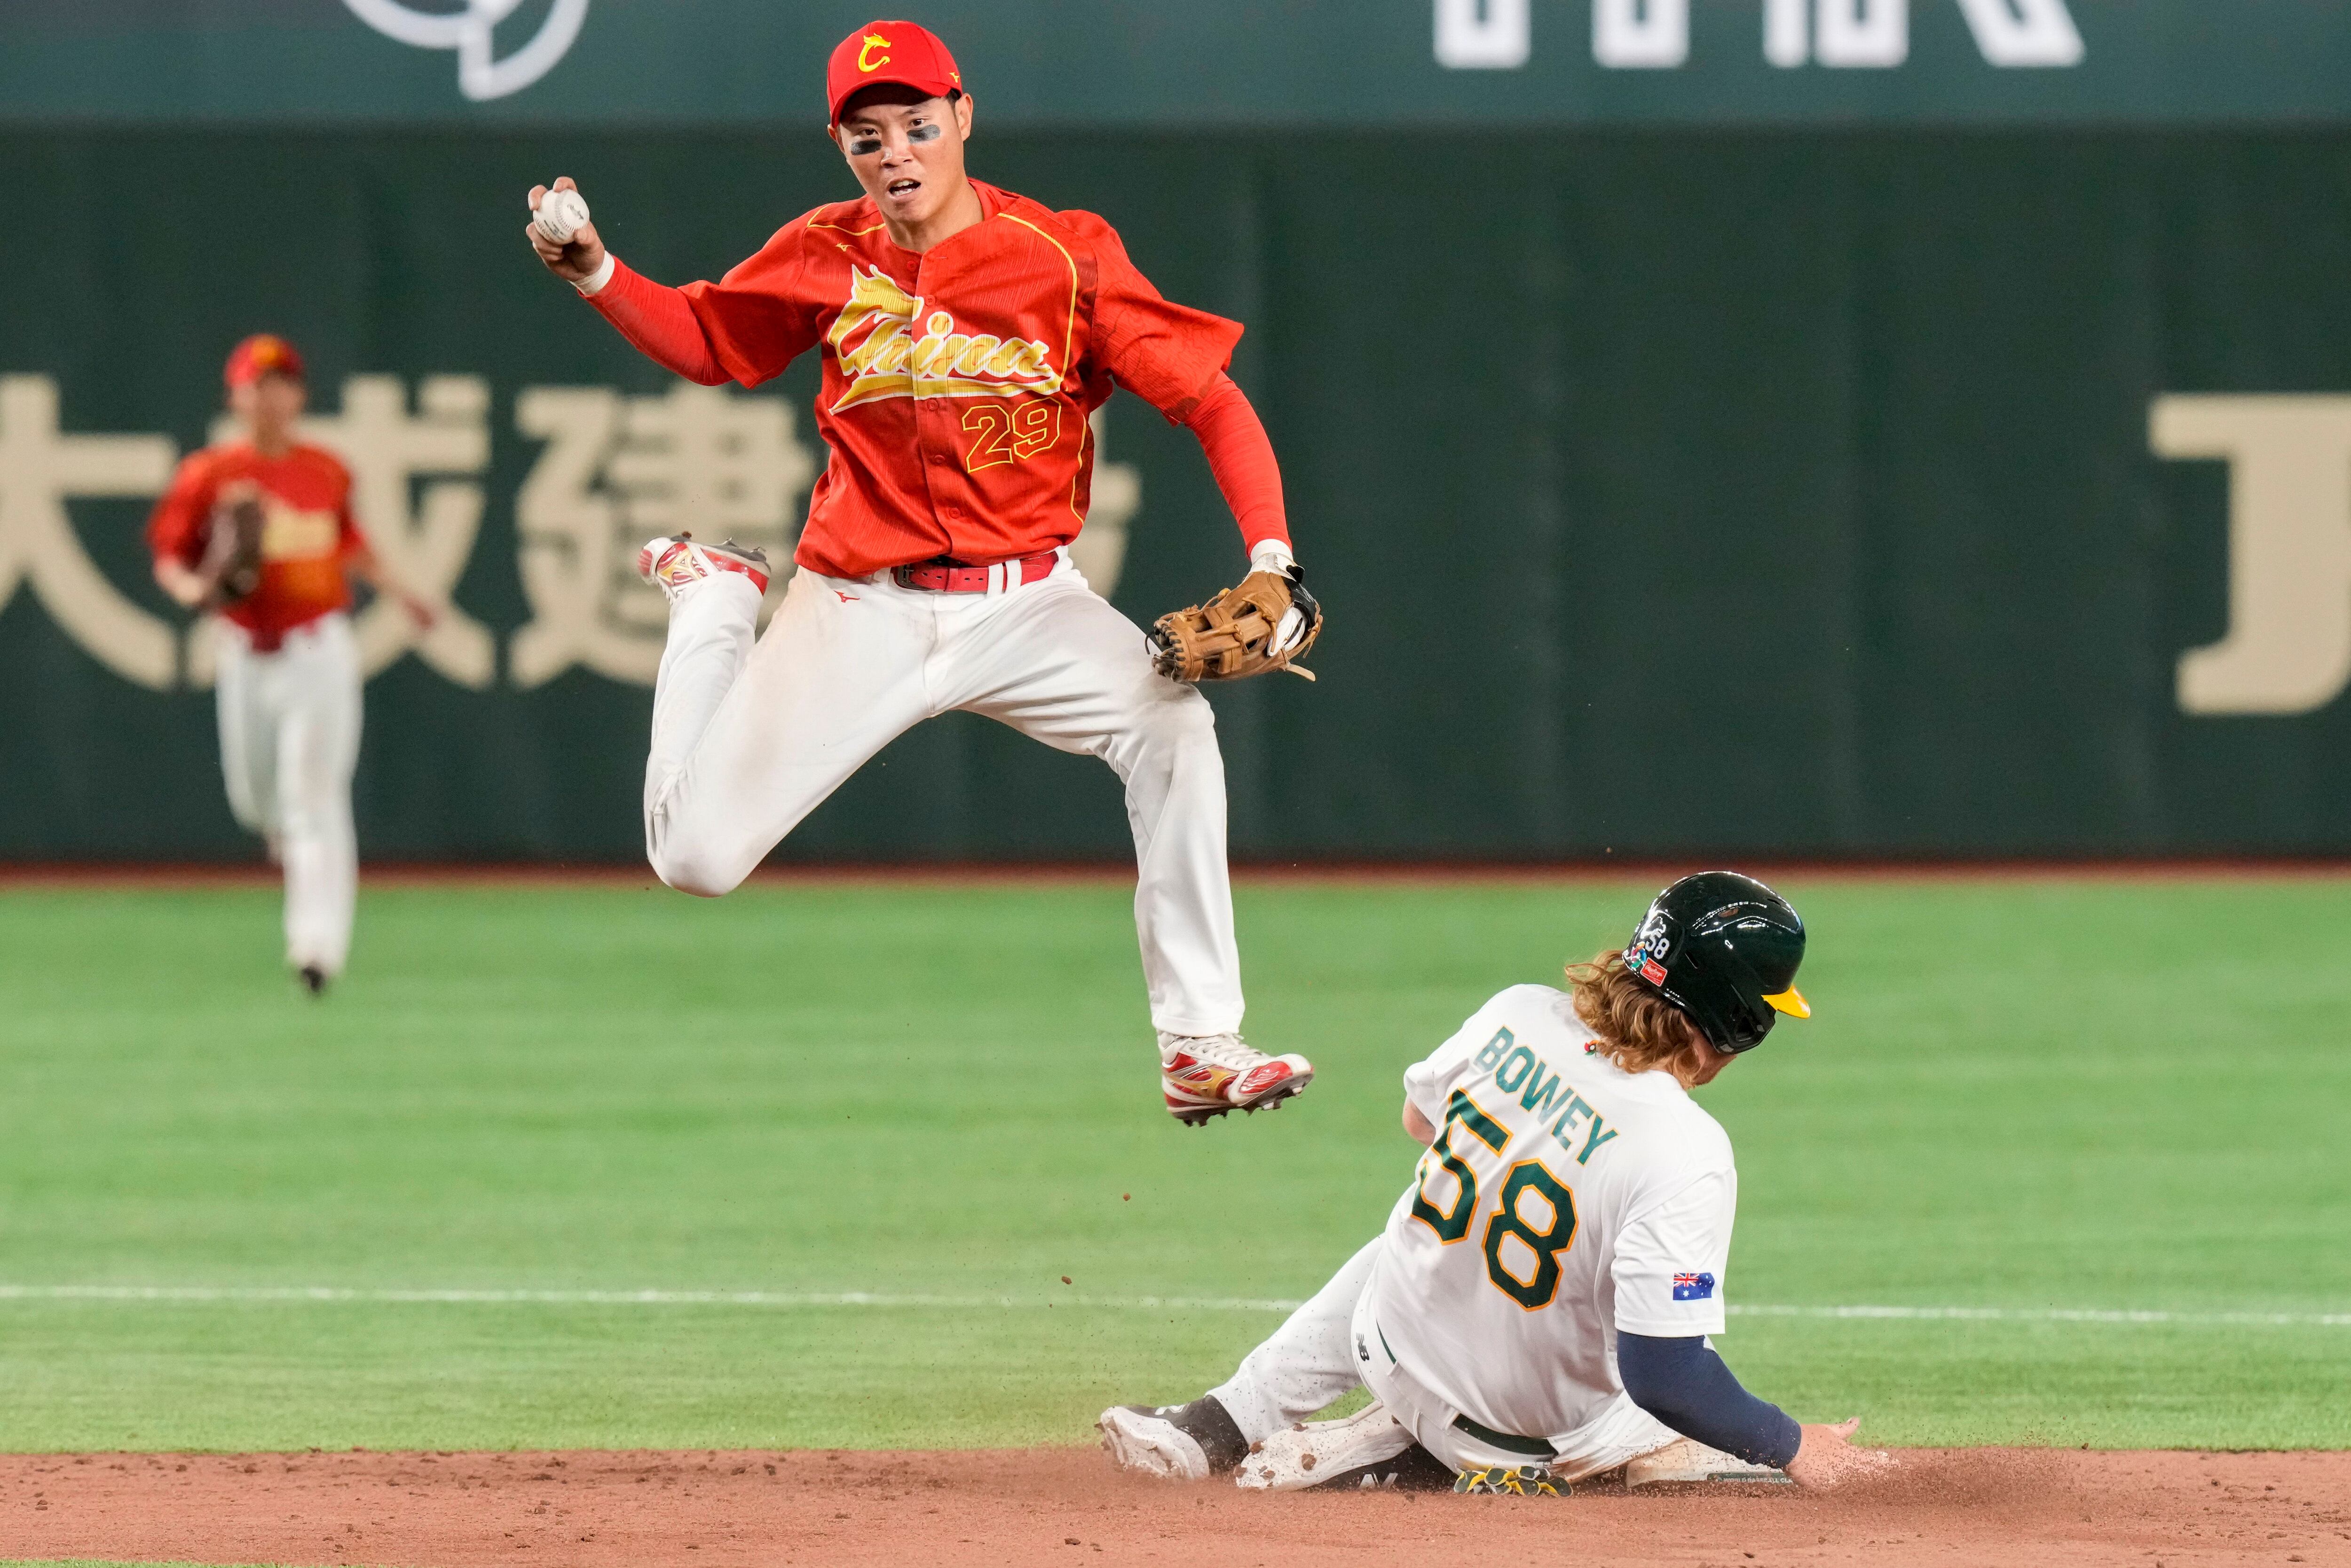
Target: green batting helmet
[[1723, 949]]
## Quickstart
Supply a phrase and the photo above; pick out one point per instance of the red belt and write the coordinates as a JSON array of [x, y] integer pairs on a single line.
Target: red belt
[[945, 575]]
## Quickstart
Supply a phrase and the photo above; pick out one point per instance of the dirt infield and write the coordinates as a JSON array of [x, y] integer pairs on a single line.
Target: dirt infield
[[1038, 1507]]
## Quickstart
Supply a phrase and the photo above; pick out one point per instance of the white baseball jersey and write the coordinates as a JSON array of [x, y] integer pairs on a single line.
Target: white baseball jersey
[[1562, 1200]]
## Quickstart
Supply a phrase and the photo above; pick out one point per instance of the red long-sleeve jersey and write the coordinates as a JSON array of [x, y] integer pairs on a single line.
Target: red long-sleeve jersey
[[957, 382]]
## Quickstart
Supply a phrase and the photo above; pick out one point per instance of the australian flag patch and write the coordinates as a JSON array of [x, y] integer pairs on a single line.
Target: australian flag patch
[[1693, 1287]]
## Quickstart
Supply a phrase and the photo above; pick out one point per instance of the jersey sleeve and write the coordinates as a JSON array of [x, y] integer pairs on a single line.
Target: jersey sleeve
[[1671, 1260], [351, 538], [760, 316], [1429, 1083], [176, 530], [1169, 355]]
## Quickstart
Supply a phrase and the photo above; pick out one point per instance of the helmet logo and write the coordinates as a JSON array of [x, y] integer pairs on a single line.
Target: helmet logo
[[1651, 941]]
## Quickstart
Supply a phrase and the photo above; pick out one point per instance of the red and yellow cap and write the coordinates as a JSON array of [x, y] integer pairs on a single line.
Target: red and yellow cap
[[263, 354], [899, 53]]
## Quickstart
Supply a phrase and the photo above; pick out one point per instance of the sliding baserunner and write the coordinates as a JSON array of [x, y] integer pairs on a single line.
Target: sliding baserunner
[[1538, 1308], [965, 335]]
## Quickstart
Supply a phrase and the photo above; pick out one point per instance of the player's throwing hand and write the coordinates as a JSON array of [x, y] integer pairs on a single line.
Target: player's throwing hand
[[575, 256]]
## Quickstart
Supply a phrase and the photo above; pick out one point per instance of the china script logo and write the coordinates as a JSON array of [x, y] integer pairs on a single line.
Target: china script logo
[[882, 356]]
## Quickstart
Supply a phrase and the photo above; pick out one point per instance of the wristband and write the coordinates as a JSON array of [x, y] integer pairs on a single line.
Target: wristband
[[1273, 556], [593, 284]]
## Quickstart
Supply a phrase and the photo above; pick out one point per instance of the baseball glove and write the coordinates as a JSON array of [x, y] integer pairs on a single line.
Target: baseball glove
[[232, 562], [1267, 622]]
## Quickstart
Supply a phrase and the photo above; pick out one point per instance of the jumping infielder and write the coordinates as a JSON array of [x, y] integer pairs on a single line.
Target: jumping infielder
[[965, 334], [259, 531], [1543, 1291]]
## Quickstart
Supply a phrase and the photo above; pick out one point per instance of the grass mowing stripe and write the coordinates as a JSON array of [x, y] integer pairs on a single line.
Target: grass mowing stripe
[[328, 1294]]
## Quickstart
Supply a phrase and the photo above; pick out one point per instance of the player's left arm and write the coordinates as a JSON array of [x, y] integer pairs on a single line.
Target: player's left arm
[[1668, 1269], [363, 565], [1240, 456], [1175, 359]]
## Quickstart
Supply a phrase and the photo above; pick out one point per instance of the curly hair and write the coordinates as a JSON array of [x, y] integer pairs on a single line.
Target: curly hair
[[1639, 1030]]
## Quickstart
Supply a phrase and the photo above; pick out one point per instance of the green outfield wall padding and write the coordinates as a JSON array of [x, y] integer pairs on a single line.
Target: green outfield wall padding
[[1742, 493]]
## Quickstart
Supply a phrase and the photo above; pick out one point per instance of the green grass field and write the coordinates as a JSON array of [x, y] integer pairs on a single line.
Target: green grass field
[[2117, 1095]]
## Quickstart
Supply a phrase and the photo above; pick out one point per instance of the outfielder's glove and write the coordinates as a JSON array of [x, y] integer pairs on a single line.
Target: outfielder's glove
[[1267, 622], [232, 562]]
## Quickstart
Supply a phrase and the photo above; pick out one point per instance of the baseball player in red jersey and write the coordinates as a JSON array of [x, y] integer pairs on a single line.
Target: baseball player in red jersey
[[965, 334], [259, 530]]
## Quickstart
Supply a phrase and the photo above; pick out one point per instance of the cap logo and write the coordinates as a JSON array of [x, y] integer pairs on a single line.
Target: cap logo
[[866, 45]]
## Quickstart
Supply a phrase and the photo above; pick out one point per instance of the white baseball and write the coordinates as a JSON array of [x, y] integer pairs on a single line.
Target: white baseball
[[561, 214]]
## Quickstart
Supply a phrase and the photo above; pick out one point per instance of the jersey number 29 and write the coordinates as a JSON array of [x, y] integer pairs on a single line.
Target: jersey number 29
[[1533, 1291]]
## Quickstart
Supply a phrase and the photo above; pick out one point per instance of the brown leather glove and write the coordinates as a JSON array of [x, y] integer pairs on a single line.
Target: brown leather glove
[[232, 562], [1237, 634]]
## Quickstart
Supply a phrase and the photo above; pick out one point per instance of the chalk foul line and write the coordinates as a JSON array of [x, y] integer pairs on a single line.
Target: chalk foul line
[[807, 1299]]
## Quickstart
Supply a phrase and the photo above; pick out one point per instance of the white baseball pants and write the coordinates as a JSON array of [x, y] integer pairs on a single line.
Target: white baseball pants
[[1308, 1360], [1332, 1345], [748, 739], [290, 735]]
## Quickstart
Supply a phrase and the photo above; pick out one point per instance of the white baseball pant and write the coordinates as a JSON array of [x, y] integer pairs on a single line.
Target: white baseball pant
[[1332, 1345], [748, 739], [289, 736]]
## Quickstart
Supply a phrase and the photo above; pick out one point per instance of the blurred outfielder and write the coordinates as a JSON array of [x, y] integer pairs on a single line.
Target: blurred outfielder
[[259, 532], [965, 334]]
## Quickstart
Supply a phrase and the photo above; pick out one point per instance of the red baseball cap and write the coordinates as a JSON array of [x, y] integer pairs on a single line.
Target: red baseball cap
[[899, 53], [263, 354]]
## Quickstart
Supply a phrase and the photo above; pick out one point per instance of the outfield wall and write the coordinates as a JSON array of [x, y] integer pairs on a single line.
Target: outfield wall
[[1761, 491]]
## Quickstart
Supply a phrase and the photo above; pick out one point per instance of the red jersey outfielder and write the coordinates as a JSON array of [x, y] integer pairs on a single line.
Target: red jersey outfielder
[[965, 334], [259, 531]]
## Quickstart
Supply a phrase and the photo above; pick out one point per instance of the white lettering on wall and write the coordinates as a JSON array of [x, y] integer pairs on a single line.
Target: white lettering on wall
[[1482, 35], [1640, 35], [2024, 33], [471, 31], [1787, 32], [2288, 649], [40, 469], [1868, 34], [1654, 34], [616, 472]]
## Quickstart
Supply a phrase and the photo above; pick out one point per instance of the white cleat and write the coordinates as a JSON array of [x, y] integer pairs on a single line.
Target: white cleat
[[1205, 1076], [1141, 1440], [1687, 1460], [675, 562], [1313, 1452]]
